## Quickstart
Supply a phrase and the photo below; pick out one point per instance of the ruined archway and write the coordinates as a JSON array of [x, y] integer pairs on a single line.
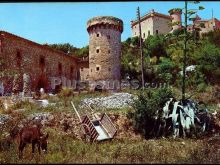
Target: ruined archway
[[42, 82]]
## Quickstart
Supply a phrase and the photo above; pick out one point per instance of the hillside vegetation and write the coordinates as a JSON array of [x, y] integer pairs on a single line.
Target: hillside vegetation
[[128, 146]]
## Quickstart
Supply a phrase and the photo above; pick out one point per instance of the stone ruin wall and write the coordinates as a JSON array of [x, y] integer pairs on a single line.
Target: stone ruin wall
[[30, 54]]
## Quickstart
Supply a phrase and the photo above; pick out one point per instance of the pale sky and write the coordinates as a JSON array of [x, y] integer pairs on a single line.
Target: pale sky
[[65, 22]]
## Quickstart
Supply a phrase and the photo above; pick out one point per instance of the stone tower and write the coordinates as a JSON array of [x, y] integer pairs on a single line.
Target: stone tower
[[104, 49], [176, 17]]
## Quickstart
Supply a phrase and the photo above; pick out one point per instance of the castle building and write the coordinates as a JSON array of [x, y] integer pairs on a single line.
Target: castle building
[[203, 25], [175, 15], [153, 23], [104, 49], [49, 68]]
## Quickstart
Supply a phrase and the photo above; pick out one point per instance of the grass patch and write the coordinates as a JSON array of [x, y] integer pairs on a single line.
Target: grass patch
[[64, 149]]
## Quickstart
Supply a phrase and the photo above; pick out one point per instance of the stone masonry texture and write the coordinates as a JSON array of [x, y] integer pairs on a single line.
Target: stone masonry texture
[[104, 48], [38, 61]]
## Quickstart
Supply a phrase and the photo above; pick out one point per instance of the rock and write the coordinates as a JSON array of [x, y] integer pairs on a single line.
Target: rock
[[4, 118], [117, 100], [42, 92], [43, 118], [20, 110], [51, 94], [44, 103], [7, 103]]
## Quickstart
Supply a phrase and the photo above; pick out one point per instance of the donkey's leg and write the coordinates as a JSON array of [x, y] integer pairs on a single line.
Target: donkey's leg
[[33, 147], [38, 146], [21, 148]]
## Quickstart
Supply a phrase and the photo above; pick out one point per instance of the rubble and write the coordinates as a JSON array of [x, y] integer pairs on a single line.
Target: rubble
[[124, 127], [44, 118], [70, 125], [7, 103], [116, 100], [44, 103], [4, 118]]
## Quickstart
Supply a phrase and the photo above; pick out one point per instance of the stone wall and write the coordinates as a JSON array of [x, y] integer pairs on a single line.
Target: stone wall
[[38, 61], [104, 48], [83, 66], [108, 58]]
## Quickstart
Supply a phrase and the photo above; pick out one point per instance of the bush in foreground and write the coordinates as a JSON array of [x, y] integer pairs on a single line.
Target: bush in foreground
[[145, 106]]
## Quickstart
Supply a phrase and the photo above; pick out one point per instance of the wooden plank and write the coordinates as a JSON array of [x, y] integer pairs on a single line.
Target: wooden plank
[[76, 112], [93, 131], [108, 125]]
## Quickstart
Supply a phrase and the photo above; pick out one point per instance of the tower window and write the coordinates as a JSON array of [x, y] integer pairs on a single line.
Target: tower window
[[109, 51], [82, 69], [97, 68], [143, 35], [97, 50], [97, 35], [156, 31], [148, 32], [91, 70]]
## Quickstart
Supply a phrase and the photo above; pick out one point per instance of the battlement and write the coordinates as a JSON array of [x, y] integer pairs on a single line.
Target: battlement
[[175, 11], [108, 21]]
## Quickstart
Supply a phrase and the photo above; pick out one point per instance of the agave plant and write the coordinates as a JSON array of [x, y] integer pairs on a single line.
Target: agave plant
[[184, 117]]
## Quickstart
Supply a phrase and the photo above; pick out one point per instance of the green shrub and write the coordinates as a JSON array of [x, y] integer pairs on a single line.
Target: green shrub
[[201, 87], [165, 70], [23, 104], [65, 92], [64, 95], [146, 106]]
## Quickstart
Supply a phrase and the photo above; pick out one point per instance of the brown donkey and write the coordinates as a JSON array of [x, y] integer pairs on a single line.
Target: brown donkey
[[34, 136]]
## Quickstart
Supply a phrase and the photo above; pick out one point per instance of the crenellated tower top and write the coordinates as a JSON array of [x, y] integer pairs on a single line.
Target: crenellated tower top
[[105, 21]]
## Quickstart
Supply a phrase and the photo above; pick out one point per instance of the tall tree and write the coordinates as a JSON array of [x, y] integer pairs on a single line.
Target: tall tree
[[188, 15]]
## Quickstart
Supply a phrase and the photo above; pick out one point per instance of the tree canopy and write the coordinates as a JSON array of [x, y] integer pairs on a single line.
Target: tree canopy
[[70, 49]]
